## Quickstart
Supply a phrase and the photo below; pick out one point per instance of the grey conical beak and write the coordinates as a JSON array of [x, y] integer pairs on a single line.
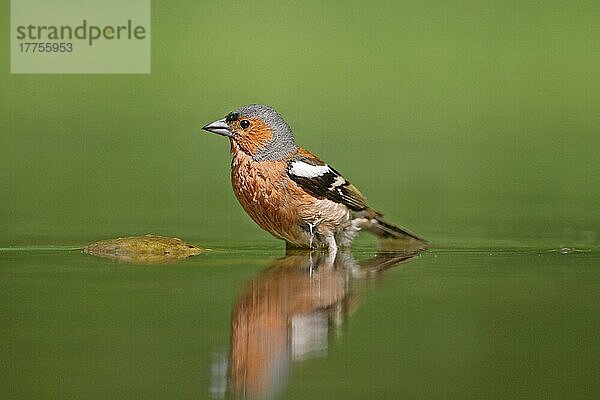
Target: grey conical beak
[[219, 127]]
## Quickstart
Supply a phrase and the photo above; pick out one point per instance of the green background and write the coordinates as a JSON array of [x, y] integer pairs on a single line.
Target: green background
[[470, 123], [474, 124]]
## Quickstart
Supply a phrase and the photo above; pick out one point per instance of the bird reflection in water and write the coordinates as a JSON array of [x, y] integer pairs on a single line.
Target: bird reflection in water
[[286, 312]]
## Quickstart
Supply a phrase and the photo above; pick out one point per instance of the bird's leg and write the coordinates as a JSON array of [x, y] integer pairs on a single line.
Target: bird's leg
[[331, 244], [311, 230], [332, 247]]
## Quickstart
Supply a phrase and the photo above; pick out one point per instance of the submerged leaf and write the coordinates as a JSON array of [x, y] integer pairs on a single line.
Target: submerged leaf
[[148, 249]]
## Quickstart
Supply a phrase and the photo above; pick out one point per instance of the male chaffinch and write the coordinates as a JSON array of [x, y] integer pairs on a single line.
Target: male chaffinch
[[290, 192]]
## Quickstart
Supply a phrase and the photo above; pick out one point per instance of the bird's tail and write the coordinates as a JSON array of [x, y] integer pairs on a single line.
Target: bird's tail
[[393, 238]]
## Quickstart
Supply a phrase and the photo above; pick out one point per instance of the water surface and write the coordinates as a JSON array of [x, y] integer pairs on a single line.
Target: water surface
[[458, 323]]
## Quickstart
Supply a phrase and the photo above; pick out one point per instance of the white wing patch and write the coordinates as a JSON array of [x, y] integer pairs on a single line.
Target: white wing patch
[[305, 170], [322, 181]]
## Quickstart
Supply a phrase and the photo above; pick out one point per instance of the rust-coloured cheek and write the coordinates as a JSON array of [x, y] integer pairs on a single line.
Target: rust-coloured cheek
[[252, 139]]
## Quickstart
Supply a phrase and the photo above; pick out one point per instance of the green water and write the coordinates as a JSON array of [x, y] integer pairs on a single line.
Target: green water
[[474, 124], [446, 324]]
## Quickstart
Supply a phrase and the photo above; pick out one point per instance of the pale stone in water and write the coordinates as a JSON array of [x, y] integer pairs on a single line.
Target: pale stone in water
[[148, 249]]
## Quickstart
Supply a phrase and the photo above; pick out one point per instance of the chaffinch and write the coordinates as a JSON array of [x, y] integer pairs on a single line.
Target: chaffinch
[[290, 192]]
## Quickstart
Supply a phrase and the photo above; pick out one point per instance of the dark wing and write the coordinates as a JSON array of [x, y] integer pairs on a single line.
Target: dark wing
[[322, 181]]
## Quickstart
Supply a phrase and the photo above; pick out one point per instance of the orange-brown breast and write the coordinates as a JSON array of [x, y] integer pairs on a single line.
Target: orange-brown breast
[[271, 199], [279, 206]]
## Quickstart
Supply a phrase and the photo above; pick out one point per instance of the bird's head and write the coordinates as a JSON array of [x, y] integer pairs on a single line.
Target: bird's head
[[257, 130]]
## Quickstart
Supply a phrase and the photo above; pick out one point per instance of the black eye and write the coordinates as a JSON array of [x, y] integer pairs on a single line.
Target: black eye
[[244, 123]]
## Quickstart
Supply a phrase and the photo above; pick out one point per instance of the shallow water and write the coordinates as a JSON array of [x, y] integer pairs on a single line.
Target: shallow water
[[448, 323]]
